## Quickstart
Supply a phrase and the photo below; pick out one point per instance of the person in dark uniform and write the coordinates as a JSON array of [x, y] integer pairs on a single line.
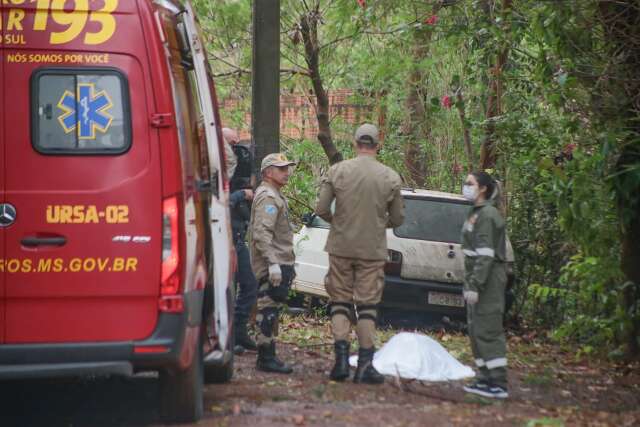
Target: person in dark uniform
[[484, 248], [240, 205]]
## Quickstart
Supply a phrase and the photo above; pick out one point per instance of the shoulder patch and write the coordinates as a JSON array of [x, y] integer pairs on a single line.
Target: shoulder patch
[[270, 209]]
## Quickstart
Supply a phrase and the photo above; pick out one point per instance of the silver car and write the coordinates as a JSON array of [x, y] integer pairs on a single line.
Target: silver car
[[425, 265]]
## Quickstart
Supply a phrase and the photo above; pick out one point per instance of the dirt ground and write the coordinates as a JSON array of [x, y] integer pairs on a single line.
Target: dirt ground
[[549, 386]]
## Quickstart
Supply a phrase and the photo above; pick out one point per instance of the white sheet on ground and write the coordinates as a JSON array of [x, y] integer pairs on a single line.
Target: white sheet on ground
[[417, 356]]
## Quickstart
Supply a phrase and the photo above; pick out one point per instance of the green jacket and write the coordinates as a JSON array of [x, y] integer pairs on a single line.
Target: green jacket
[[483, 243]]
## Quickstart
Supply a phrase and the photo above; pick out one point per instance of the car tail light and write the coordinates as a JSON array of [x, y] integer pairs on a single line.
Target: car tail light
[[393, 267], [170, 301]]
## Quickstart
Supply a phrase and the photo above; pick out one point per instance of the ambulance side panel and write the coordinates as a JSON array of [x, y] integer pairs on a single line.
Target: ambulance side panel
[[83, 258], [2, 174]]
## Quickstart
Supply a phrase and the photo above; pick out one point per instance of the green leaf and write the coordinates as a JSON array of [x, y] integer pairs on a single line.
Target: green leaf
[[562, 79]]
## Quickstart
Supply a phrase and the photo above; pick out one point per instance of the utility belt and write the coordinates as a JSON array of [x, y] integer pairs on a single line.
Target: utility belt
[[281, 292], [238, 236], [242, 211]]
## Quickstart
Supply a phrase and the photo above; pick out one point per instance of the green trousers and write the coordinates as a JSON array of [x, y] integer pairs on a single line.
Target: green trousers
[[486, 330]]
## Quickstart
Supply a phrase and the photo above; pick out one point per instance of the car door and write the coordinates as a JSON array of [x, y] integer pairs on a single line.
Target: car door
[[218, 210], [312, 262], [429, 239], [84, 254]]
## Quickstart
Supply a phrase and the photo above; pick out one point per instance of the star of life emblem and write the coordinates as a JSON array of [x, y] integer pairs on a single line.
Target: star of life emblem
[[85, 111]]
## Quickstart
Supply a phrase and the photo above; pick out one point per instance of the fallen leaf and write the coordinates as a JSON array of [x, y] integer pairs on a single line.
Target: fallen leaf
[[298, 420], [236, 409]]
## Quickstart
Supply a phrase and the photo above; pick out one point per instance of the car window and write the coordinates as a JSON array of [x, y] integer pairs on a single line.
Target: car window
[[319, 223], [80, 111], [436, 220]]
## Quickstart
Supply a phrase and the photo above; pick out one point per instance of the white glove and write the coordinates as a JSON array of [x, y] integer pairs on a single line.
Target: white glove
[[275, 275], [471, 297]]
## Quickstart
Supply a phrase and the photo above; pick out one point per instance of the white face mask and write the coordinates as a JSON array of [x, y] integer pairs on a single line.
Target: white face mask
[[470, 192]]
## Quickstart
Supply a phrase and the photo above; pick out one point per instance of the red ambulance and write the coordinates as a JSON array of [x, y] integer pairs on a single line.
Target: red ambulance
[[115, 247]]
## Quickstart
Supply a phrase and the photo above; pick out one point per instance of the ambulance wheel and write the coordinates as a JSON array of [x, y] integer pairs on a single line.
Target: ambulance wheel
[[181, 393]]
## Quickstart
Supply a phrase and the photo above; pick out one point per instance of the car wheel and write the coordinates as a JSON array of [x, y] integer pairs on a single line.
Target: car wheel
[[181, 393]]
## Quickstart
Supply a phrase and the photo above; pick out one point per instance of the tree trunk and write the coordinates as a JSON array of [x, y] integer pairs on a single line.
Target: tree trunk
[[309, 31], [621, 24], [468, 149], [416, 126], [488, 155]]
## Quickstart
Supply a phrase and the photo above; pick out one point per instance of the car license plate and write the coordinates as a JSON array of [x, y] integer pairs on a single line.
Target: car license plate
[[441, 298]]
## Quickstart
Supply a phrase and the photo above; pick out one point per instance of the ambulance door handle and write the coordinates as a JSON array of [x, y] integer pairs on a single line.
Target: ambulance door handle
[[32, 242]]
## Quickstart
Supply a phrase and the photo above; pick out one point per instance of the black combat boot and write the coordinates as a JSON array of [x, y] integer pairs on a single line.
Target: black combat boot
[[243, 339], [340, 370], [366, 373], [268, 362]]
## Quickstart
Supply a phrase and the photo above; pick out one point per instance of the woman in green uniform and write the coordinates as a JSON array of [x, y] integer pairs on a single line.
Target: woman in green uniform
[[484, 247]]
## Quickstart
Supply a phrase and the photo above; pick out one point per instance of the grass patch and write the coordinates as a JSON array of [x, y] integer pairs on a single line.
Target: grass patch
[[545, 422], [478, 400], [540, 379], [279, 398], [312, 331], [319, 390]]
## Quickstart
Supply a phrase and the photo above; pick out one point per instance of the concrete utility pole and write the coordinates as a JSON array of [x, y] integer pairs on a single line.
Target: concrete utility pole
[[265, 100]]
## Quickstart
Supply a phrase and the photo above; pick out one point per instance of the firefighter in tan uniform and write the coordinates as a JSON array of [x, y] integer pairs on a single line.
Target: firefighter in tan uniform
[[367, 201], [272, 256], [484, 247]]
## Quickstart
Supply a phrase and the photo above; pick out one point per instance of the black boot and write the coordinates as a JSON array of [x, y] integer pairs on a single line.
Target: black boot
[[366, 373], [243, 339], [340, 370], [268, 362]]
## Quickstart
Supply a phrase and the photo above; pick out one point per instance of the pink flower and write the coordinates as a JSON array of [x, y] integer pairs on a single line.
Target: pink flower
[[446, 102], [362, 3], [432, 20]]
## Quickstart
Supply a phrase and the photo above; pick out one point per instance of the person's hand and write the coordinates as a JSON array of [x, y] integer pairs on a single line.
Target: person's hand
[[248, 194], [471, 297], [275, 275]]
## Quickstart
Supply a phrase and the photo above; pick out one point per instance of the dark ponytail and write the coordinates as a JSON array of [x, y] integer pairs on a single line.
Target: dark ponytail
[[494, 190], [485, 180]]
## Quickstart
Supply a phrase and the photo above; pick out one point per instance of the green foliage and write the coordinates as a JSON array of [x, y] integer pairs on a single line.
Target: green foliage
[[303, 183], [545, 422], [563, 127]]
